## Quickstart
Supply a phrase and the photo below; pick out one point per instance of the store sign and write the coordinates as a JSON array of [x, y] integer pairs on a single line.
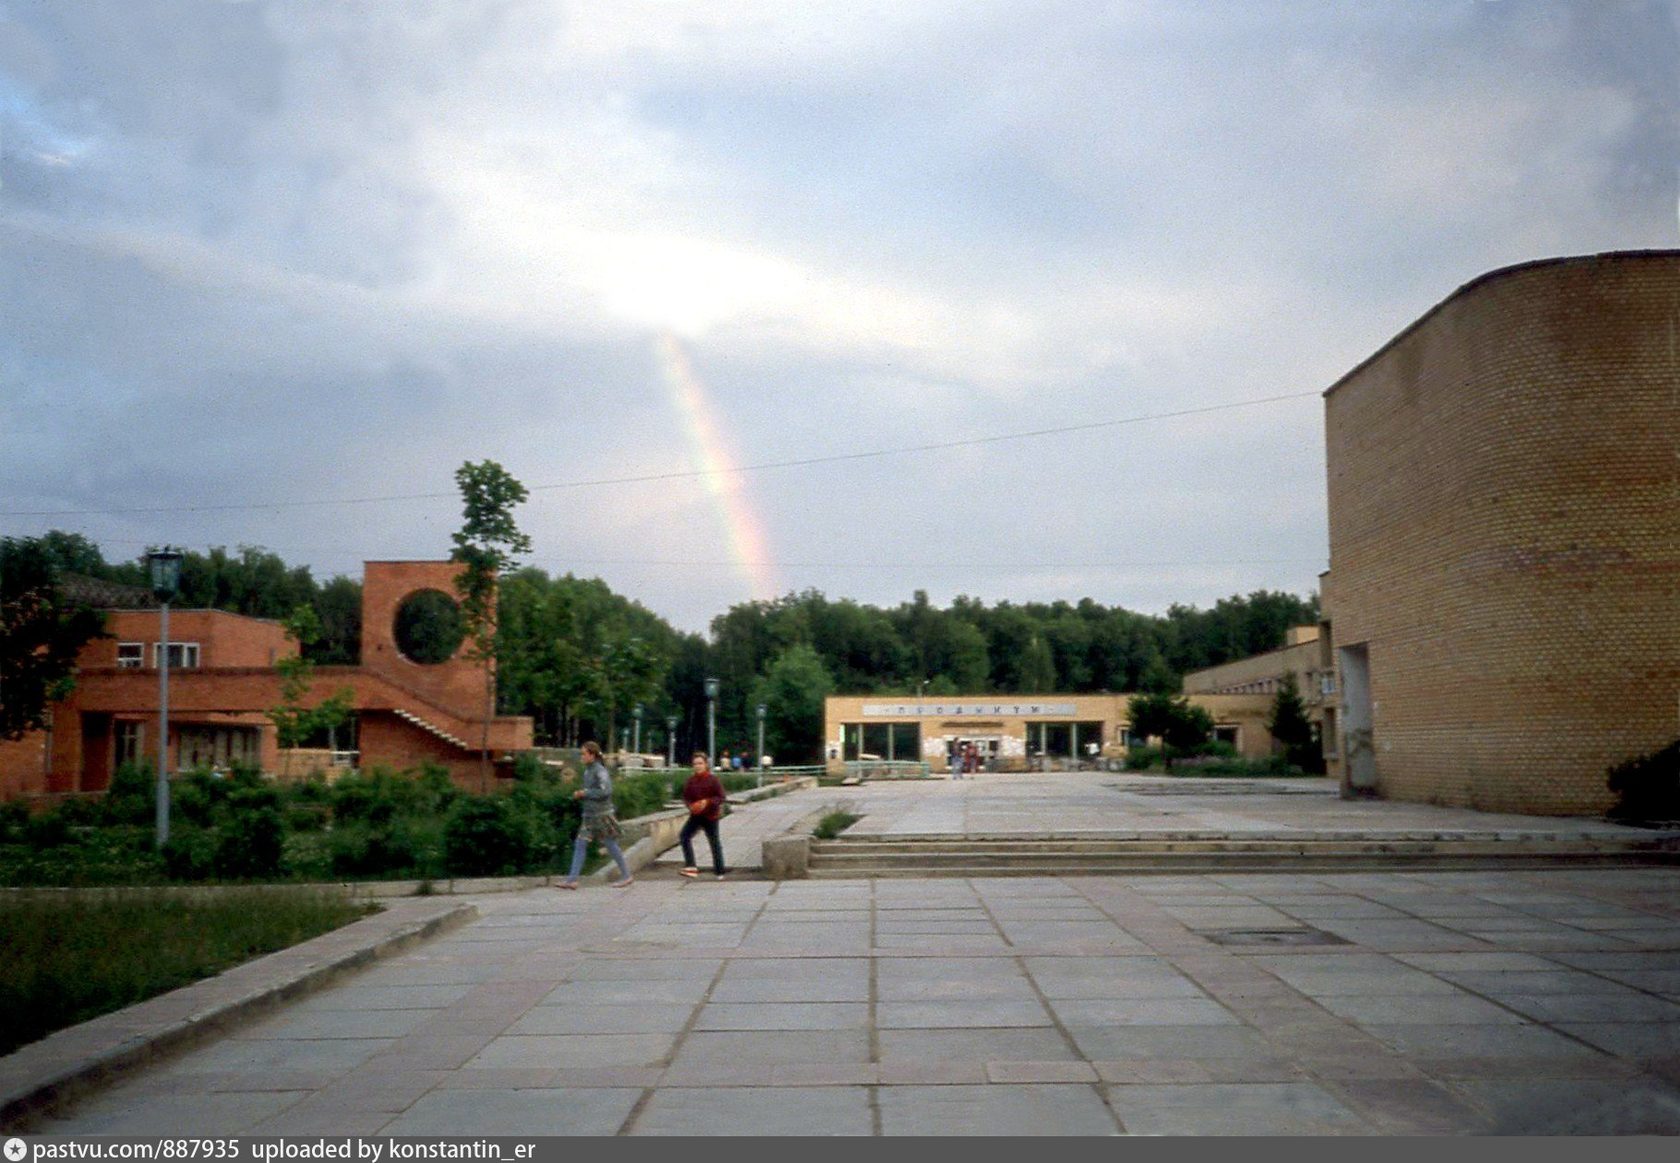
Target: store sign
[[956, 710]]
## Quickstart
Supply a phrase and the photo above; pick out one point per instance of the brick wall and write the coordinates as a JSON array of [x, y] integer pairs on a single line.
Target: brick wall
[[1503, 500]]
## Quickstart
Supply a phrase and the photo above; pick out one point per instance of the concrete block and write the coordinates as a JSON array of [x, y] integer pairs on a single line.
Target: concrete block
[[787, 857]]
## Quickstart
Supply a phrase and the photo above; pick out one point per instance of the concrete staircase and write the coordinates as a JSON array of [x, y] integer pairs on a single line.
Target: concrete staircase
[[1209, 853], [430, 727]]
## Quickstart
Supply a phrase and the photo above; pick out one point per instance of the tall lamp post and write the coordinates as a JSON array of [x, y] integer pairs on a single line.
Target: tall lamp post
[[165, 567], [711, 721], [670, 740], [636, 712], [760, 753]]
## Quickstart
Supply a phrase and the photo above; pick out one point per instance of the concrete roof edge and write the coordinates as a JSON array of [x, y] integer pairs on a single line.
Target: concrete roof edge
[[1490, 276]]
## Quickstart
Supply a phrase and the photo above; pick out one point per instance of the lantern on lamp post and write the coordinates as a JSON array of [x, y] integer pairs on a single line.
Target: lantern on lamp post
[[636, 713], [711, 685], [760, 756], [165, 568]]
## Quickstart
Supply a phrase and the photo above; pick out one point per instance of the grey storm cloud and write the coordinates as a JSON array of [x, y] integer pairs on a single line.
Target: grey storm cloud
[[269, 252]]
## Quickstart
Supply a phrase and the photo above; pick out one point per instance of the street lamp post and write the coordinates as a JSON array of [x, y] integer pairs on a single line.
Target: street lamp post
[[636, 711], [670, 740], [760, 754], [165, 567], [711, 721]]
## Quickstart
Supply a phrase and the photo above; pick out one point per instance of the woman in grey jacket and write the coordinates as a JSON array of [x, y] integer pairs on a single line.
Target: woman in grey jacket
[[600, 819]]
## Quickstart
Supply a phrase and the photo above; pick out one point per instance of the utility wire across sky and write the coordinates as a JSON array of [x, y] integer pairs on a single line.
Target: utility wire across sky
[[682, 474]]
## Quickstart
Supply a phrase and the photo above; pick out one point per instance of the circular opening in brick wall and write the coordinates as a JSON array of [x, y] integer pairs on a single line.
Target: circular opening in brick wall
[[428, 628]]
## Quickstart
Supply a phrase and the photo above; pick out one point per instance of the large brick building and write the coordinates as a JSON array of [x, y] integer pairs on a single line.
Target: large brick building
[[1503, 601], [223, 680]]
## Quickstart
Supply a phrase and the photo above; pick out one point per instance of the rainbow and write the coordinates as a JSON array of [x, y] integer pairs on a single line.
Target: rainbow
[[748, 548]]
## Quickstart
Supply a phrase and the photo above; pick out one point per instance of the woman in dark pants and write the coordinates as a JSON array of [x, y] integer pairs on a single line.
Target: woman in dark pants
[[704, 796]]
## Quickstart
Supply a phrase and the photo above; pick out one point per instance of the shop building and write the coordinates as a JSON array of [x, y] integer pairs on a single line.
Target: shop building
[[1016, 732]]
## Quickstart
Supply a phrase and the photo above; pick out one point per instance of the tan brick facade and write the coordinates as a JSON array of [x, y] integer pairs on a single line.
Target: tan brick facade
[[1503, 601], [1014, 730]]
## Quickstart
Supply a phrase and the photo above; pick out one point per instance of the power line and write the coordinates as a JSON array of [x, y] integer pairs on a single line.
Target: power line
[[687, 474]]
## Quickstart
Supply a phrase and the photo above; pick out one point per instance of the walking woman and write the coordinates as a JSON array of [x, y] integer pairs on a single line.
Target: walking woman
[[600, 819], [704, 796]]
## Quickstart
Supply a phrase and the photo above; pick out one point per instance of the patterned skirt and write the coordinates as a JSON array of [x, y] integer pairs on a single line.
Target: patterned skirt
[[602, 827]]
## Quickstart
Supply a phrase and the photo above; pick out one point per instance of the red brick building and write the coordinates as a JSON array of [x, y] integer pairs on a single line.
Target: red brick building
[[222, 681]]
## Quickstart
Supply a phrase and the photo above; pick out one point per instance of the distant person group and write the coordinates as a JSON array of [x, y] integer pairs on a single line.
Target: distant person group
[[702, 793], [964, 759]]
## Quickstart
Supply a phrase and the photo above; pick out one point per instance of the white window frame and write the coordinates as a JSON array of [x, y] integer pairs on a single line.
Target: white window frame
[[185, 652], [134, 659]]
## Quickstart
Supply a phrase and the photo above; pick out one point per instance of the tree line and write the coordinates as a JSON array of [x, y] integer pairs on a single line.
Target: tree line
[[579, 658]]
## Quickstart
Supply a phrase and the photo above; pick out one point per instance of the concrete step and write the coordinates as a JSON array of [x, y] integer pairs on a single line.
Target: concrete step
[[842, 858]]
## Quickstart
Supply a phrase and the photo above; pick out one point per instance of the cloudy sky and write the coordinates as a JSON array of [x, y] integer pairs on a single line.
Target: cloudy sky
[[271, 271]]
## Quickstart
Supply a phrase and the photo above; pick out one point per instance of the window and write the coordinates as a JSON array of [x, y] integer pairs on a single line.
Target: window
[[182, 655], [1226, 735], [131, 655], [129, 738]]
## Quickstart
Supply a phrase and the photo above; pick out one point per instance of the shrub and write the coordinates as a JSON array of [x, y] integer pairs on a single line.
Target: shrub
[[485, 836], [14, 822], [405, 846], [833, 824], [1647, 788], [378, 795], [640, 795], [190, 854], [47, 830], [1143, 758], [132, 796], [249, 841]]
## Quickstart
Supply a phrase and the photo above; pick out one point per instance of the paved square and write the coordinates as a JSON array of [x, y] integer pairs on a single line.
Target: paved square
[[1543, 1001]]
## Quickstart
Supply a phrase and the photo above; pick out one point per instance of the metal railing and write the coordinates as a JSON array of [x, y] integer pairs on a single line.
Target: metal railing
[[886, 769]]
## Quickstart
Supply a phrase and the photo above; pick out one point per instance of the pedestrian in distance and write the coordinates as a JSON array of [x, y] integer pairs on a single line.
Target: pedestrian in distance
[[600, 819], [704, 795]]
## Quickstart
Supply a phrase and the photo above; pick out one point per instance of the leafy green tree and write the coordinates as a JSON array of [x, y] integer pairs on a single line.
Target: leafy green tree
[[338, 605], [487, 544], [1170, 718], [793, 689], [294, 722], [1038, 668], [1290, 726], [41, 634]]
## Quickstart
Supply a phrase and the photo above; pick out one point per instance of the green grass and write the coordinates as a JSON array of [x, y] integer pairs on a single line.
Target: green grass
[[72, 955], [833, 824]]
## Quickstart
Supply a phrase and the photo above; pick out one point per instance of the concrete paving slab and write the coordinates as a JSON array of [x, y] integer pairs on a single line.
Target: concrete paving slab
[[1496, 1040], [970, 1013], [709, 1048], [802, 1015], [157, 1115], [562, 1050], [468, 1113], [1205, 1041], [1003, 1109], [604, 1019], [1550, 1107], [1445, 1010], [979, 1046], [770, 1110], [1256, 1108], [1152, 1011], [1628, 1039]]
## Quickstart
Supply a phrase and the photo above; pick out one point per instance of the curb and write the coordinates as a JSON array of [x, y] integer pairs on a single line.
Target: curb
[[43, 1076]]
